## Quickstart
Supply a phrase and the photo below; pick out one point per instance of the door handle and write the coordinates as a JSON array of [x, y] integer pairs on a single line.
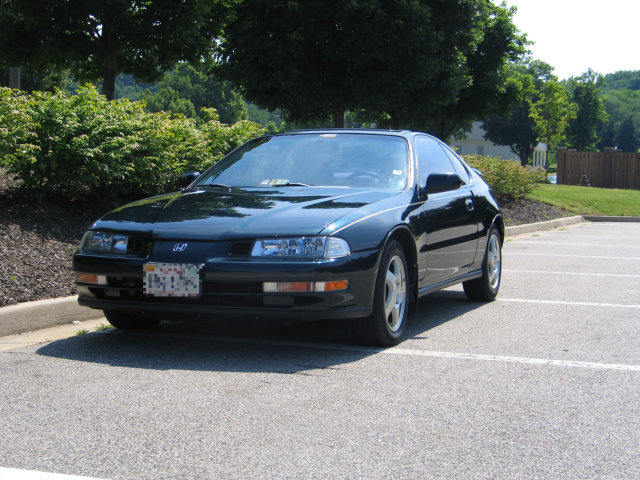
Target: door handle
[[469, 203]]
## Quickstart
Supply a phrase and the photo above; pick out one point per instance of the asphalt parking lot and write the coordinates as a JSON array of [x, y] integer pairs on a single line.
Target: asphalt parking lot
[[542, 383]]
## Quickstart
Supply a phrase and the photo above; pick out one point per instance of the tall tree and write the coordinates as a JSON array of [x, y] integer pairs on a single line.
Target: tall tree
[[401, 61], [516, 128], [582, 131], [97, 39], [627, 137], [551, 114]]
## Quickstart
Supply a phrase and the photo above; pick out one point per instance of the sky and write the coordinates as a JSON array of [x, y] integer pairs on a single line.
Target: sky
[[575, 35]]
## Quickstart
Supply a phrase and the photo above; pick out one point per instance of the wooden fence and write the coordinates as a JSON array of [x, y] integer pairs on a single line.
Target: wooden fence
[[608, 169]]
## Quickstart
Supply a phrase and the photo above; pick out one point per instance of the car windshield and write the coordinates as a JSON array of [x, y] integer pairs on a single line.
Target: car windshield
[[314, 159]]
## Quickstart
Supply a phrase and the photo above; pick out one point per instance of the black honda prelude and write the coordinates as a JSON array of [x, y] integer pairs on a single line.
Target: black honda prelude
[[302, 225]]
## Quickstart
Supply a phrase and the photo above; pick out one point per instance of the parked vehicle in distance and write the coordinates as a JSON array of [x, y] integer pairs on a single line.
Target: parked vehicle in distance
[[302, 225]]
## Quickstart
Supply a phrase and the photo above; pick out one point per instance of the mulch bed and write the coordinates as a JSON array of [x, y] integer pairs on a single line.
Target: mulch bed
[[37, 242]]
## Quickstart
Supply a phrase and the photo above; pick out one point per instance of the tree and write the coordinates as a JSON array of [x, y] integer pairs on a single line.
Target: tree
[[582, 131], [551, 114], [403, 62], [97, 39], [627, 138], [516, 128], [621, 102]]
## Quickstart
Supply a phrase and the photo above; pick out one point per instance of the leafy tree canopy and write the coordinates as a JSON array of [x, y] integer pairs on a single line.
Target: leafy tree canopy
[[590, 112], [97, 39], [406, 63], [551, 113], [516, 128]]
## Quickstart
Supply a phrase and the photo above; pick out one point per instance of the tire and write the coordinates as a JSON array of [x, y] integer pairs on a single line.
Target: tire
[[485, 288], [385, 326], [124, 320]]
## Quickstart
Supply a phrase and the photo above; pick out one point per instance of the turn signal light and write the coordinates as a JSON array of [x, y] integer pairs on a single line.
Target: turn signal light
[[91, 279], [300, 287]]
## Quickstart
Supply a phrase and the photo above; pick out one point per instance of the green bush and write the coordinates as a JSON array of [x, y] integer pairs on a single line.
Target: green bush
[[507, 177], [84, 145]]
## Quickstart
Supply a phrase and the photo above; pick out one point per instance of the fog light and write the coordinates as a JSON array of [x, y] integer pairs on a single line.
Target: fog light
[[91, 279]]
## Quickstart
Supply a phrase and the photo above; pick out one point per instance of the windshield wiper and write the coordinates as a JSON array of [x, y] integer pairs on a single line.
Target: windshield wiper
[[295, 184], [214, 185]]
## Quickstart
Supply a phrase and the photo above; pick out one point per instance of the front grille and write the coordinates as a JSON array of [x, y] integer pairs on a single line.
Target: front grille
[[241, 248]]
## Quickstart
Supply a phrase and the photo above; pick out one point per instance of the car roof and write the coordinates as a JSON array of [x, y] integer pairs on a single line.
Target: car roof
[[369, 131]]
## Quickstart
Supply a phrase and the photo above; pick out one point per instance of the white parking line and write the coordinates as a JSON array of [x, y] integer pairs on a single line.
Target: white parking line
[[17, 474], [585, 274], [561, 255], [573, 304], [399, 350], [569, 244]]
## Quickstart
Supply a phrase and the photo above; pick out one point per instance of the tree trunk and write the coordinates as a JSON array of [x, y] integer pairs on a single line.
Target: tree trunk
[[524, 153], [110, 62], [338, 116]]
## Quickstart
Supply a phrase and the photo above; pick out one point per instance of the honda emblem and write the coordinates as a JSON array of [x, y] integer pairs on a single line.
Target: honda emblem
[[180, 247]]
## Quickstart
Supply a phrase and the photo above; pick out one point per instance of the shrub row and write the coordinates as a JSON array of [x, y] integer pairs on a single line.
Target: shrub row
[[507, 177], [83, 145]]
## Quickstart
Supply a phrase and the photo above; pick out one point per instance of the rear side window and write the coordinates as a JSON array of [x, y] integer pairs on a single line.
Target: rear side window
[[461, 170], [431, 159]]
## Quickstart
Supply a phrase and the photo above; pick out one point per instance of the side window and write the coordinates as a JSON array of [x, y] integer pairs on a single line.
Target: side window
[[431, 159], [461, 170]]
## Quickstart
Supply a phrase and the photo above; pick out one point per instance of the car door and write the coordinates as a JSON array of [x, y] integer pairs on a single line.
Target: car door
[[449, 218]]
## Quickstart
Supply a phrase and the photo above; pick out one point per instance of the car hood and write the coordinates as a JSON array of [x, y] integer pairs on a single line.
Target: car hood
[[236, 213]]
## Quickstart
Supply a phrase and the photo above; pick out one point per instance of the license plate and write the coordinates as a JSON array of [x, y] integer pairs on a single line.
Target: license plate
[[172, 280]]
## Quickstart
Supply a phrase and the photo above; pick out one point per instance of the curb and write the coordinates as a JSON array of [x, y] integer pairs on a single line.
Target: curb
[[30, 316], [537, 227]]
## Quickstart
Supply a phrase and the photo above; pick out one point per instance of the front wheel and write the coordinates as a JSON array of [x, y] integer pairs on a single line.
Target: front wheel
[[386, 324], [485, 288], [124, 320]]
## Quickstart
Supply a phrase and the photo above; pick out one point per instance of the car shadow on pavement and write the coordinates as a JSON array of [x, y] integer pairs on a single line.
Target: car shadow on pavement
[[249, 347]]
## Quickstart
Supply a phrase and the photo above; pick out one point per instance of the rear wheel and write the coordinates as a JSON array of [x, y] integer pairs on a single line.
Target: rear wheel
[[485, 288], [129, 321], [386, 324]]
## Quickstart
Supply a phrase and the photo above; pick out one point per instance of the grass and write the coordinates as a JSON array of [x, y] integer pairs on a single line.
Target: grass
[[589, 201]]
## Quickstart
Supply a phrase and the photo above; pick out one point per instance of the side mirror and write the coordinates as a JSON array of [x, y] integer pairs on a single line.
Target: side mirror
[[188, 178], [443, 182]]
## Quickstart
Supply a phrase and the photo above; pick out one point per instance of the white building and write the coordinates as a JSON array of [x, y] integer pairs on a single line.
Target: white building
[[475, 144]]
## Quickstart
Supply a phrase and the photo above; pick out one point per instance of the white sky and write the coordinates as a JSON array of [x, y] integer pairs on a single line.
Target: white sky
[[575, 35]]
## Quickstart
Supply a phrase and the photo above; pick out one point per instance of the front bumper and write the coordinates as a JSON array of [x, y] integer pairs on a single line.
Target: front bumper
[[234, 287]]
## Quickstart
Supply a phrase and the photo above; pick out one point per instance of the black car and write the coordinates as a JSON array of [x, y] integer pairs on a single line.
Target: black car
[[303, 225]]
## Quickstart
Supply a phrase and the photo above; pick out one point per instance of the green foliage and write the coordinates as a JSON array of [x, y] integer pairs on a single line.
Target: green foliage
[[507, 177], [406, 63], [98, 39], [551, 113], [516, 128], [585, 94], [84, 145]]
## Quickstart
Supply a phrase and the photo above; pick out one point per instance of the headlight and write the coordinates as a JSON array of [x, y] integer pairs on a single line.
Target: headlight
[[105, 242], [301, 247]]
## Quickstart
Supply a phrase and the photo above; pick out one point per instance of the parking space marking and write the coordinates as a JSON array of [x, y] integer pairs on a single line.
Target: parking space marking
[[569, 244], [560, 255], [18, 474], [585, 274], [399, 350], [572, 304]]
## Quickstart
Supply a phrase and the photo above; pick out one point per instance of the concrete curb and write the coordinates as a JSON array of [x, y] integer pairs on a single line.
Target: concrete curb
[[537, 227], [30, 316]]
